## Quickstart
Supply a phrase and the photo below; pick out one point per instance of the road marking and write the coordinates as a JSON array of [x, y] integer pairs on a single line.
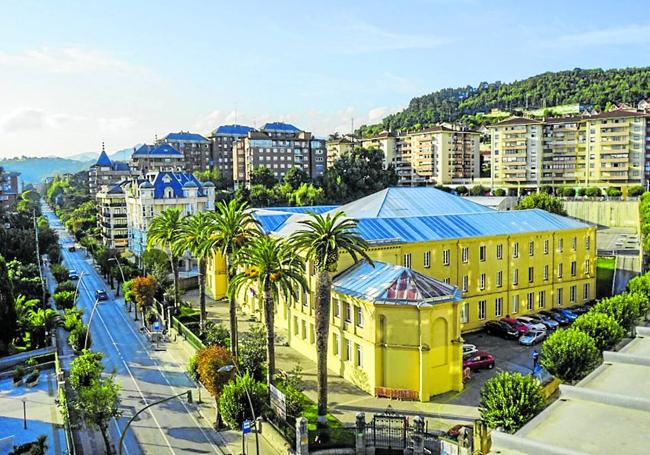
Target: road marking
[[128, 323]]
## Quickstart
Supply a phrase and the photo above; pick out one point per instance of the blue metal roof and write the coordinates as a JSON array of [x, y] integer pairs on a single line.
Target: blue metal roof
[[392, 284], [232, 130], [408, 202], [176, 181], [186, 137], [162, 149], [427, 228], [307, 209], [103, 159], [120, 166], [270, 223], [280, 127]]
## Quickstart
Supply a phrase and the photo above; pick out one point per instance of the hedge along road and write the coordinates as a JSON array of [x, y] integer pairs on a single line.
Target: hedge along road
[[144, 375]]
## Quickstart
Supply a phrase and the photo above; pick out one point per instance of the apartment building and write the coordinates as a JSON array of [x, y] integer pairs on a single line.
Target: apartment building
[[156, 158], [439, 155], [111, 217], [107, 172], [221, 143], [279, 147], [147, 197], [195, 149], [9, 188], [338, 146], [476, 264], [602, 149]]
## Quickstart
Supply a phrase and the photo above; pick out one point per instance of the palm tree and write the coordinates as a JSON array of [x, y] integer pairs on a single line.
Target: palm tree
[[323, 239], [234, 226], [163, 232], [194, 236], [273, 265], [41, 322]]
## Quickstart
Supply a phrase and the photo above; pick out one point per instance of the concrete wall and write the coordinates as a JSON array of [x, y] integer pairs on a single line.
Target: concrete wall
[[605, 213]]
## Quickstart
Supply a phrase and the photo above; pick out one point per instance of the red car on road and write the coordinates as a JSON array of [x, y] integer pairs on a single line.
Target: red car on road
[[479, 360], [522, 329]]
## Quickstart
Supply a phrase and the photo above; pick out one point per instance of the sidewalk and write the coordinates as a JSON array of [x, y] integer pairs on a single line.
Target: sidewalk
[[345, 399]]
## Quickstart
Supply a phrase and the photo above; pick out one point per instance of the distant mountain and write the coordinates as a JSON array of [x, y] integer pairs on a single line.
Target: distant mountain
[[596, 88], [87, 156], [34, 170], [122, 155]]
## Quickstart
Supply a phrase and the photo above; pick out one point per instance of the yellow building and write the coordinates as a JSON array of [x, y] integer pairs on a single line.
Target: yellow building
[[503, 262], [111, 217], [603, 150], [337, 147]]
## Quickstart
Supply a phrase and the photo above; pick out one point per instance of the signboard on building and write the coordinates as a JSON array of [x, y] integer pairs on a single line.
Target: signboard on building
[[278, 402]]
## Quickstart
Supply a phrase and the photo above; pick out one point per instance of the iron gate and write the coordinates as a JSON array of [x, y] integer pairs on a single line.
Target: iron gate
[[388, 432]]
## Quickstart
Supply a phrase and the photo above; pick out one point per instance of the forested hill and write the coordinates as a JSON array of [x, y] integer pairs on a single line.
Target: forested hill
[[594, 87]]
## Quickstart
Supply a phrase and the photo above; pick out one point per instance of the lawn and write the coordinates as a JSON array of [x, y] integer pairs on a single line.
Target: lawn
[[604, 276]]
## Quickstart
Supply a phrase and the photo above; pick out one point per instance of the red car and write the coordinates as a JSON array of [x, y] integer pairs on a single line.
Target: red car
[[522, 329], [479, 360]]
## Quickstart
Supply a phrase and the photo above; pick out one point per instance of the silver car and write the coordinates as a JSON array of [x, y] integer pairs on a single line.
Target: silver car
[[531, 323]]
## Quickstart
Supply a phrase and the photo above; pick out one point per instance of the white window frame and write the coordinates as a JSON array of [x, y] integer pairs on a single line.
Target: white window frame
[[465, 283], [359, 316], [406, 260], [515, 277], [464, 313], [465, 254], [481, 282], [499, 279], [531, 248], [530, 301], [427, 259], [500, 251], [542, 299], [515, 304], [498, 307], [515, 250], [482, 253], [445, 256], [481, 309]]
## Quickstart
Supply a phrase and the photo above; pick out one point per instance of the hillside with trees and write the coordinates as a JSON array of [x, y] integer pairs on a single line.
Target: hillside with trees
[[595, 88]]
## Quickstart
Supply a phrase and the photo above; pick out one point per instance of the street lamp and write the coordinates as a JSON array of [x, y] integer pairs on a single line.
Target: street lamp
[[233, 367], [119, 266], [76, 291], [24, 400], [188, 393], [92, 313]]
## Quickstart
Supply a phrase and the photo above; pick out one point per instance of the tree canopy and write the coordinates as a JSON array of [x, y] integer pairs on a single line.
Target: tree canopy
[[542, 201]]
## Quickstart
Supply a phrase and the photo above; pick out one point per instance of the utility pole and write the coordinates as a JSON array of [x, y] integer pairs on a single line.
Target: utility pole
[[38, 256]]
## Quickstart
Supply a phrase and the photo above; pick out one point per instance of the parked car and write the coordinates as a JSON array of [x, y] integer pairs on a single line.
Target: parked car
[[518, 326], [532, 337], [556, 317], [551, 324], [500, 328], [479, 360], [72, 274], [72, 248], [570, 315], [469, 349], [100, 294], [581, 309], [531, 323]]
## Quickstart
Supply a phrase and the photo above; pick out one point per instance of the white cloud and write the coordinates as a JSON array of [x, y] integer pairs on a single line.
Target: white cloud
[[34, 119], [69, 60], [629, 34], [115, 124]]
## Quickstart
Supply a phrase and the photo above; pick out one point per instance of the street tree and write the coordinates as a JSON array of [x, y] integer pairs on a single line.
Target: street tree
[[85, 368], [233, 404], [273, 267], [8, 317], [97, 404], [143, 289], [208, 362], [542, 201], [323, 239], [42, 321], [569, 354], [163, 232]]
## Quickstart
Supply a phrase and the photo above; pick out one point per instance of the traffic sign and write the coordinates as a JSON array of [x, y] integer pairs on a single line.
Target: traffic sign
[[246, 426]]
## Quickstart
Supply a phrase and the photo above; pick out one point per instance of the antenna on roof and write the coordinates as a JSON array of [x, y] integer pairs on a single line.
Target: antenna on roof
[[103, 147], [155, 138]]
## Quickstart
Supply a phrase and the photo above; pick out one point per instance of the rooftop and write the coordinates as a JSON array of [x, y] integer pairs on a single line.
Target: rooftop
[[280, 127], [185, 136], [103, 160], [161, 150], [392, 284], [232, 130]]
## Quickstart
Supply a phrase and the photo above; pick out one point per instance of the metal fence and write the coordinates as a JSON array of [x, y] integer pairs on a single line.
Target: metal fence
[[187, 334]]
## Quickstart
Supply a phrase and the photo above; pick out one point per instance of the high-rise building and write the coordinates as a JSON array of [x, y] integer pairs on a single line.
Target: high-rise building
[[107, 172], [147, 197], [279, 147], [111, 216], [163, 157], [221, 142], [604, 150], [194, 147], [338, 146], [9, 188]]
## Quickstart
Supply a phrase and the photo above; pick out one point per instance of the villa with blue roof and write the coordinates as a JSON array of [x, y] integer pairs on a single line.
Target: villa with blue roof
[[443, 265], [106, 173], [157, 158], [279, 147], [194, 148]]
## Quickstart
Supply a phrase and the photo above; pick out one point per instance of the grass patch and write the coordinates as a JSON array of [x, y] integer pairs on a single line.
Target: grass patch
[[604, 276], [310, 412]]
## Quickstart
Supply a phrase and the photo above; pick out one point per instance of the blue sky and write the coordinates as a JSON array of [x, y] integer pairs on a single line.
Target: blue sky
[[76, 73]]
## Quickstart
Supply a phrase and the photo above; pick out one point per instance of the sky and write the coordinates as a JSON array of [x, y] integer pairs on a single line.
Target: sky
[[74, 74]]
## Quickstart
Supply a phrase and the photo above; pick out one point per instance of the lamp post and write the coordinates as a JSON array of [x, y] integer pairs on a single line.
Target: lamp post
[[119, 266], [24, 400], [233, 367], [188, 393], [76, 290], [92, 313]]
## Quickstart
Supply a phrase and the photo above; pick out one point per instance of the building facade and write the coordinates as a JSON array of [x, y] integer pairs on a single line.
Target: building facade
[[604, 150], [279, 147], [9, 188], [147, 197], [501, 262], [222, 140], [337, 147], [160, 158], [194, 148], [107, 172], [111, 217]]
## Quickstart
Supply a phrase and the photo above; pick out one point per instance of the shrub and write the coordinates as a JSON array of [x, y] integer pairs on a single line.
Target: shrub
[[461, 189], [603, 328], [510, 400], [252, 352], [568, 192], [192, 369], [547, 189], [478, 190], [233, 403], [640, 284], [292, 388], [499, 192], [215, 335], [593, 191], [635, 191], [569, 354], [208, 361], [86, 368], [613, 192], [19, 373], [66, 286], [582, 192], [626, 308], [77, 338], [542, 201], [60, 272], [64, 299]]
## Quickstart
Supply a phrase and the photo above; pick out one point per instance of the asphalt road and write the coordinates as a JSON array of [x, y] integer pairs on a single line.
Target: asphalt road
[[144, 375]]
